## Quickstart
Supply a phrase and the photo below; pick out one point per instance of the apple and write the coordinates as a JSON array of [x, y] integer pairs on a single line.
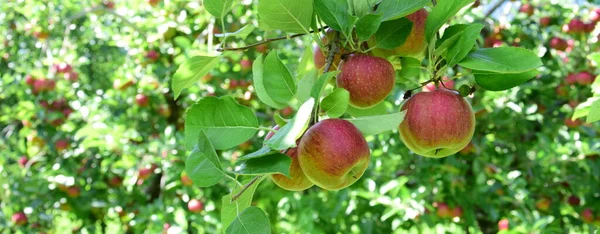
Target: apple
[[115, 181], [286, 112], [368, 79], [576, 26], [443, 211], [61, 144], [415, 44], [457, 212], [572, 123], [449, 84], [195, 206], [144, 173], [30, 80], [152, 2], [437, 124], [574, 200], [543, 204], [71, 76], [587, 215], [558, 43], [320, 59], [246, 65], [262, 48], [589, 27], [585, 78], [109, 4], [152, 55], [63, 68], [186, 181], [595, 15], [43, 84], [528, 9], [23, 161], [73, 191], [298, 180], [19, 218], [503, 224], [333, 154], [67, 112], [141, 100], [545, 21], [571, 78]]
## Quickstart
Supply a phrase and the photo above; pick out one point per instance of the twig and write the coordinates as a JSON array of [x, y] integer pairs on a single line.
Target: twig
[[267, 41], [494, 8], [236, 196], [333, 50]]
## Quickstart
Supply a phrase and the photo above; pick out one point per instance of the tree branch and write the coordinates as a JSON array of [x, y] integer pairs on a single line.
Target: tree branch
[[236, 196], [267, 41], [494, 8]]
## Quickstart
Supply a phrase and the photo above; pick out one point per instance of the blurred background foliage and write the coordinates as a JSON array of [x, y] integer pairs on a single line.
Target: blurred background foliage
[[91, 137]]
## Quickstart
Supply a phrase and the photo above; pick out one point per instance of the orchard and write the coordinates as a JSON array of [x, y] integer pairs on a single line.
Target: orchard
[[299, 116]]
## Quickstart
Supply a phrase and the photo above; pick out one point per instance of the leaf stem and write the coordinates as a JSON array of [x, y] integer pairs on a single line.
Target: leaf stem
[[268, 41], [233, 179], [237, 195]]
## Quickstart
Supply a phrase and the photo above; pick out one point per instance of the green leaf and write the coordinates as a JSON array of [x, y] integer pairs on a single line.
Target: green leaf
[[230, 209], [411, 67], [290, 16], [273, 162], [441, 13], [279, 120], [594, 57], [307, 63], [321, 83], [182, 42], [259, 86], [367, 25], [336, 14], [203, 166], [191, 71], [336, 103], [395, 9], [218, 8], [361, 8], [225, 123], [371, 125], [264, 151], [242, 33], [278, 81], [594, 114], [502, 60], [379, 109], [252, 220], [459, 50], [305, 86], [499, 82], [286, 136], [392, 34]]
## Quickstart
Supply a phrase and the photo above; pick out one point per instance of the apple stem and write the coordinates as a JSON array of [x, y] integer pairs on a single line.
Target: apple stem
[[237, 195], [268, 41]]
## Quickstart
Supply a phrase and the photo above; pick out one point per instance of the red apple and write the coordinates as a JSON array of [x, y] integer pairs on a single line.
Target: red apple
[[527, 8], [595, 15], [286, 112], [23, 161], [333, 154], [415, 43], [109, 4], [571, 78], [437, 124], [73, 191], [572, 123], [587, 215], [368, 79], [71, 76], [457, 212], [545, 21], [152, 55], [297, 180], [115, 181], [141, 100], [195, 206], [61, 144], [19, 218], [449, 84], [589, 27], [246, 65], [62, 68], [320, 59], [558, 44], [585, 78], [152, 2], [443, 211], [543, 204], [30, 80], [562, 90], [574, 200], [262, 48], [144, 173], [503, 225], [576, 26]]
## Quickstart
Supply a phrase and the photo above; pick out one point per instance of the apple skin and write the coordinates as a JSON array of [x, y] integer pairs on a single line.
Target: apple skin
[[545, 21], [195, 206], [368, 79], [298, 180], [585, 78], [19, 218], [437, 124], [527, 9], [246, 65], [576, 26], [558, 43], [595, 15], [587, 216], [415, 43], [574, 200], [23, 161], [141, 100], [503, 224], [61, 144], [333, 154]]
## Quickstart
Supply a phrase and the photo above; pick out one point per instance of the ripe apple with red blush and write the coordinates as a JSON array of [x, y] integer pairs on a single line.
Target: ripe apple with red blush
[[23, 160], [297, 181], [446, 83], [437, 124], [19, 218], [545, 21], [320, 58], [558, 44], [585, 78], [503, 225], [443, 210], [368, 79], [195, 206], [142, 100], [61, 144], [246, 65], [572, 123], [527, 8], [73, 191], [414, 45], [574, 200], [587, 215], [576, 26], [152, 55]]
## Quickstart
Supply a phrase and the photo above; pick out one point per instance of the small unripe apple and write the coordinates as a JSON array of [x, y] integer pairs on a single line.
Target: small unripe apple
[[574, 200], [437, 124], [61, 144], [246, 65], [585, 78], [298, 180], [415, 44], [195, 206], [587, 215], [333, 154], [543, 204], [443, 211], [545, 21], [141, 100], [503, 224], [19, 218], [527, 9], [23, 161], [73, 191], [558, 44], [368, 79]]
